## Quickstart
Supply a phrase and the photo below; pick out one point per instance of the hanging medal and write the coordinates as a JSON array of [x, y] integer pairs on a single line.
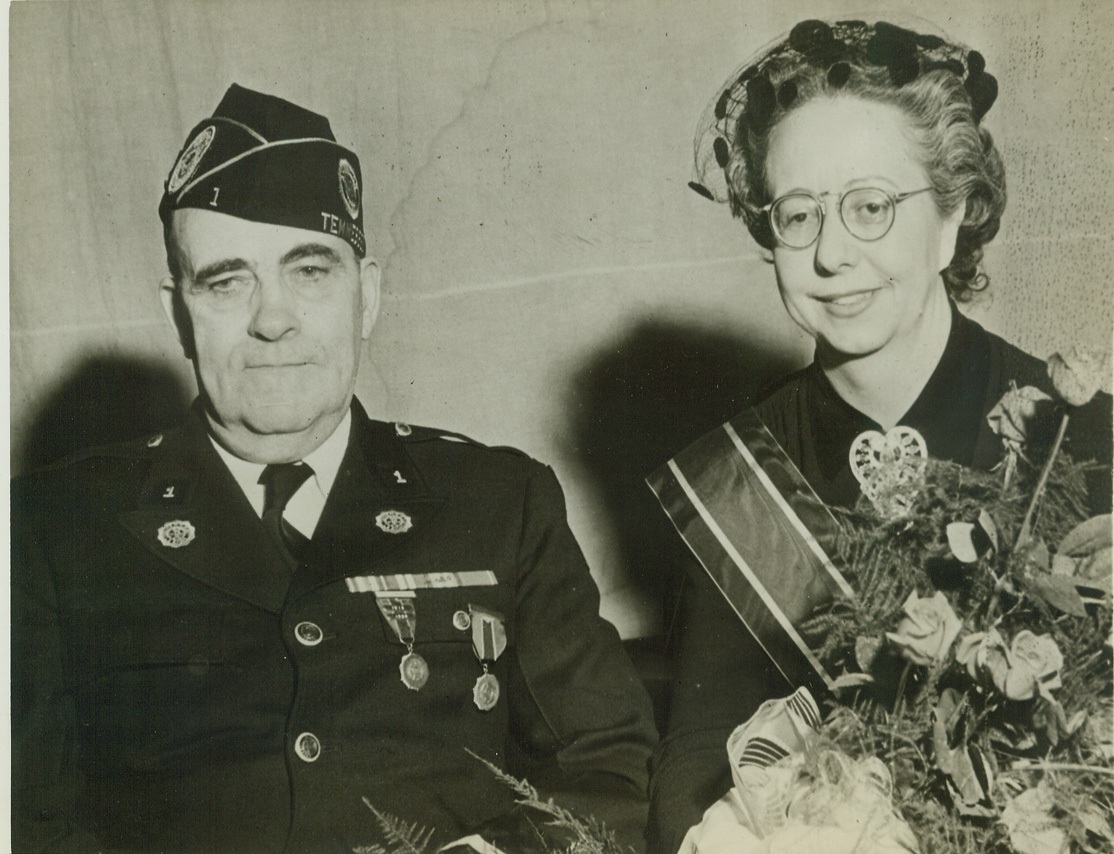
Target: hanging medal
[[397, 607], [489, 639]]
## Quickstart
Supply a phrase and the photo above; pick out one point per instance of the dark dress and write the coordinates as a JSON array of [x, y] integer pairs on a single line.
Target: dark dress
[[722, 673]]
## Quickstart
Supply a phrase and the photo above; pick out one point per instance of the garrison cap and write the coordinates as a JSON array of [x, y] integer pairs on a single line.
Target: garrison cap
[[267, 160]]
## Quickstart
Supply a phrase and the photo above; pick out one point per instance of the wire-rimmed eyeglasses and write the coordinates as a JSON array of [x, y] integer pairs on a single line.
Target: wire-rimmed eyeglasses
[[867, 212]]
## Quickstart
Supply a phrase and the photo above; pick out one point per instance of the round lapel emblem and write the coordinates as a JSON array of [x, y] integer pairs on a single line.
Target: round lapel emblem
[[349, 188], [176, 534], [393, 522], [190, 158]]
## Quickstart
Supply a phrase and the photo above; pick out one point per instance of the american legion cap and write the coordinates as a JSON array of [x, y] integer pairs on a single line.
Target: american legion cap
[[267, 160]]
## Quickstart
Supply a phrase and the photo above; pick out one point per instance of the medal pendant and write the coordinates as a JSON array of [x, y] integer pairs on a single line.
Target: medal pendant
[[485, 693], [414, 671]]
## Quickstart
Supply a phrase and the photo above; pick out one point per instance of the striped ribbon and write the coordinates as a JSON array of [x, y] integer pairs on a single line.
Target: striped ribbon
[[420, 581], [760, 533]]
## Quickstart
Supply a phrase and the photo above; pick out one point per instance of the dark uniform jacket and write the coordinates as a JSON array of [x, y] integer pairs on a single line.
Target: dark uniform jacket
[[723, 675], [190, 695]]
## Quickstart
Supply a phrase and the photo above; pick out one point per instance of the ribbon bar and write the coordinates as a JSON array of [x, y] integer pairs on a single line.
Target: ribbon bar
[[420, 581]]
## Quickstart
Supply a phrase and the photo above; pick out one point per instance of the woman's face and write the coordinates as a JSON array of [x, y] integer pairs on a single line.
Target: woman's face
[[854, 297]]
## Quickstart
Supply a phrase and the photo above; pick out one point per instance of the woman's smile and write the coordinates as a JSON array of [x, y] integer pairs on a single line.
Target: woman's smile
[[848, 304]]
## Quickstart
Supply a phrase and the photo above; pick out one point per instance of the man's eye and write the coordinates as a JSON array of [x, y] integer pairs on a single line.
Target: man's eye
[[229, 285], [311, 272]]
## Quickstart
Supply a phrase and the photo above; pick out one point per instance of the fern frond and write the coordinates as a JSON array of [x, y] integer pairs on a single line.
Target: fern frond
[[402, 838]]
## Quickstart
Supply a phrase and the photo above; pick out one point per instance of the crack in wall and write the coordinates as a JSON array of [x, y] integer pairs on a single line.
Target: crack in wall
[[397, 221]]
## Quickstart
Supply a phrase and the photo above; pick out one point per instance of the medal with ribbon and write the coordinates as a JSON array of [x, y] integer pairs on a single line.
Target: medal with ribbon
[[397, 607], [489, 639]]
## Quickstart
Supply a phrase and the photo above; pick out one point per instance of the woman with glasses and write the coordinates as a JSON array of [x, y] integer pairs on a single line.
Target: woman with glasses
[[855, 155]]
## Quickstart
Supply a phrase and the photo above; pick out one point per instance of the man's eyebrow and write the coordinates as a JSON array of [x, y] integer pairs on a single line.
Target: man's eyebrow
[[311, 250], [225, 265]]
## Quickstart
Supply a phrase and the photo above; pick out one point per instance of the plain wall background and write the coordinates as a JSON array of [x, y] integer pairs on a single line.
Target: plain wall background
[[550, 281]]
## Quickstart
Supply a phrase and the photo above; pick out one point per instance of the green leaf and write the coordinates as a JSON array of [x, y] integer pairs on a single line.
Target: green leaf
[[1088, 537], [1059, 592], [1095, 819]]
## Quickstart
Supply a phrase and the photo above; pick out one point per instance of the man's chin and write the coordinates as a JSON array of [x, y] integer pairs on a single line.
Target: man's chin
[[271, 419]]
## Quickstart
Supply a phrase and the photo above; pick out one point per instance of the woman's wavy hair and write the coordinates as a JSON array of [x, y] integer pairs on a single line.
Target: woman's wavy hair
[[963, 164]]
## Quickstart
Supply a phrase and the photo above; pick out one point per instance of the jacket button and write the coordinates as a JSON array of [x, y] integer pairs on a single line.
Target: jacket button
[[308, 634], [462, 620], [307, 747], [403, 429]]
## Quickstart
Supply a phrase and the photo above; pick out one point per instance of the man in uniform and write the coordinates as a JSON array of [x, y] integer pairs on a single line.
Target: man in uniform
[[229, 635]]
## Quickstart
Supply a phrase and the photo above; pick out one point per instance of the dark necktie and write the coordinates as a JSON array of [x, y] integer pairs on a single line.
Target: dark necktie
[[280, 482]]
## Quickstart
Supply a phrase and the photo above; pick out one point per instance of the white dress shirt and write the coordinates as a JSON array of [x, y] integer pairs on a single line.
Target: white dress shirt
[[304, 508]]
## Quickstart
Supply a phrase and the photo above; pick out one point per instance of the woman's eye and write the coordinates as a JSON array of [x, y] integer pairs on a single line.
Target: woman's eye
[[871, 211]]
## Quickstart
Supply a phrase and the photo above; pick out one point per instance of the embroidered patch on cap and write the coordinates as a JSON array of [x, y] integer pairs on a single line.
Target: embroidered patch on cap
[[190, 158], [349, 188]]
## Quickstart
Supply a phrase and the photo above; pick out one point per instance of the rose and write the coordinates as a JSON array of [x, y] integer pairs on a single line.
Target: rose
[[1034, 665], [927, 631], [1078, 374], [1011, 416], [1030, 666]]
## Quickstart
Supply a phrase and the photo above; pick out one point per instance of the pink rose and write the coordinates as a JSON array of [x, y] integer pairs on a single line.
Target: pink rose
[[1078, 374], [1029, 666], [927, 631]]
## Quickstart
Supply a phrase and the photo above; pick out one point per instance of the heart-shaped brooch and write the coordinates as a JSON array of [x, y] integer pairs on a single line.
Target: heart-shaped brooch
[[890, 468]]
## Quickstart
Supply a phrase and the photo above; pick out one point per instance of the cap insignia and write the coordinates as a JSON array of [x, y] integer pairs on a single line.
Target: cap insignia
[[349, 188], [190, 158]]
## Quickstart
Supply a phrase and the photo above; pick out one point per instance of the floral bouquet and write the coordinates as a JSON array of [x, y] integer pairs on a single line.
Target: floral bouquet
[[973, 702]]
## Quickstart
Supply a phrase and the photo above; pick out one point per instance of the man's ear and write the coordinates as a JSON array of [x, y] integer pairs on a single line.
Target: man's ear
[[369, 288], [175, 311]]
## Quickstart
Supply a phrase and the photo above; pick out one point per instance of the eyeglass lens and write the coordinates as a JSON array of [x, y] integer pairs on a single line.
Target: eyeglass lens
[[867, 212]]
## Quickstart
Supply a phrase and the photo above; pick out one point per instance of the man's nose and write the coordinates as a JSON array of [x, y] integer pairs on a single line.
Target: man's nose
[[836, 247], [274, 314]]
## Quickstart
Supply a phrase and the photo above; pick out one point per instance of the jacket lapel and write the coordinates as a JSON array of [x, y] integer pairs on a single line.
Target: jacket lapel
[[379, 504], [222, 543]]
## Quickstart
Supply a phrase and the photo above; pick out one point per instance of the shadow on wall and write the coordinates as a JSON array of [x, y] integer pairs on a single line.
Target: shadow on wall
[[632, 406], [106, 399], [638, 402]]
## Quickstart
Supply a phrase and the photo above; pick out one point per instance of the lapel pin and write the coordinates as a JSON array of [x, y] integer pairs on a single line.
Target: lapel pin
[[176, 534], [393, 522]]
